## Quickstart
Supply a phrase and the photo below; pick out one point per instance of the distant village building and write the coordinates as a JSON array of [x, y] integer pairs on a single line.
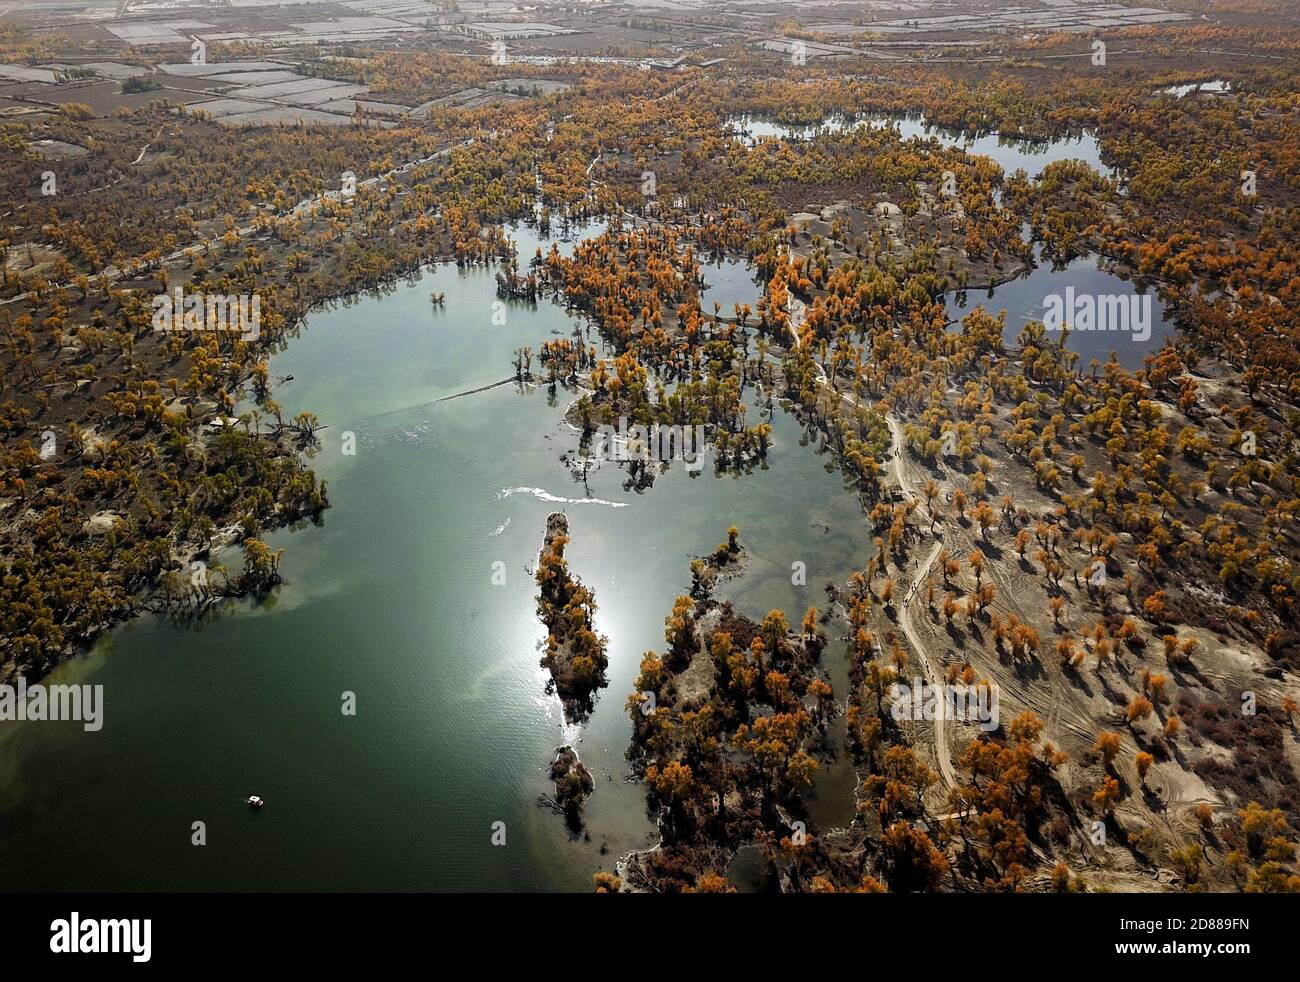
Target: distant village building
[[663, 65]]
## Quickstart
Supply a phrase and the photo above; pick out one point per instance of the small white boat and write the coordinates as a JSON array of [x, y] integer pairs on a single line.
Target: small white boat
[[254, 801]]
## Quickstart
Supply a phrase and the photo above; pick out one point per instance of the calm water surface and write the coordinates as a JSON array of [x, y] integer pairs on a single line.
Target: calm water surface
[[1024, 300], [1010, 153], [391, 598]]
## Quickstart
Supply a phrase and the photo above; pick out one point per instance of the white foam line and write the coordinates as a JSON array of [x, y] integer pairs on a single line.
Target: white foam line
[[543, 495]]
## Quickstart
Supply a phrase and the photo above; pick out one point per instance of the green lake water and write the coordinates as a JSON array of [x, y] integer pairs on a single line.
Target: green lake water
[[391, 597]]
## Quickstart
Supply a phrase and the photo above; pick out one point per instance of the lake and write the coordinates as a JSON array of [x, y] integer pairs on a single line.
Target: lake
[[1024, 300], [1010, 153], [391, 597]]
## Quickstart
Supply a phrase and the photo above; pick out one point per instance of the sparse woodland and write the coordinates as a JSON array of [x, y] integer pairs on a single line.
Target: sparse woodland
[[1116, 550]]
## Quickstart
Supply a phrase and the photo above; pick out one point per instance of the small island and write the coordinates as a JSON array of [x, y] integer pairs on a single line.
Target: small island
[[575, 654], [573, 784]]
